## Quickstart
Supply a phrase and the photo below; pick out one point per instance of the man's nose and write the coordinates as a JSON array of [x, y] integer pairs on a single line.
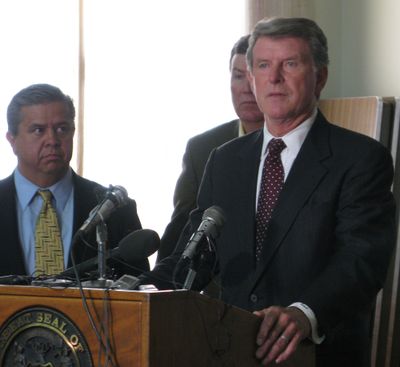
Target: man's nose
[[52, 137], [275, 74]]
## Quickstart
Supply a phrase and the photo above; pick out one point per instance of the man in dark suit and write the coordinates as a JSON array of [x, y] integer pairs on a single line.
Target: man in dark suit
[[327, 244], [199, 147], [40, 130]]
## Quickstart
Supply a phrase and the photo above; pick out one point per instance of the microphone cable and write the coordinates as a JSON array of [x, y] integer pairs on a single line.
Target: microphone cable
[[103, 344]]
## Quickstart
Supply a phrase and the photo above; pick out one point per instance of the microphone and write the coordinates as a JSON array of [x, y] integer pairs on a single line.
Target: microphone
[[212, 221], [15, 280], [134, 247], [115, 197]]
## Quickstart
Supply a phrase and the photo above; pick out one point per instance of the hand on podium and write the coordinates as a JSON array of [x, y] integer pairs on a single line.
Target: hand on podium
[[281, 331]]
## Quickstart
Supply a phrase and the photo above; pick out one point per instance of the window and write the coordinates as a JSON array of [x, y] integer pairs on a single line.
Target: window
[[157, 73]]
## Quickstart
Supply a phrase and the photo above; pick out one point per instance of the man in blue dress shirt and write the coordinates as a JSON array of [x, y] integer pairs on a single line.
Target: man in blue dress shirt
[[41, 128]]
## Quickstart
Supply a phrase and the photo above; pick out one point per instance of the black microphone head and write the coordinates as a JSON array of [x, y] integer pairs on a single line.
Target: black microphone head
[[216, 214], [139, 245], [118, 195], [215, 218]]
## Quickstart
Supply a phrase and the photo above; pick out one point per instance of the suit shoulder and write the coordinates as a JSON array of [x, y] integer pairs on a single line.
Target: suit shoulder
[[217, 135], [85, 185], [7, 188], [236, 145], [353, 139], [86, 188], [6, 183]]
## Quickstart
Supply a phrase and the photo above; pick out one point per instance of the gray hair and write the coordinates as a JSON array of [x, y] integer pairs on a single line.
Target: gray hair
[[303, 28], [33, 95]]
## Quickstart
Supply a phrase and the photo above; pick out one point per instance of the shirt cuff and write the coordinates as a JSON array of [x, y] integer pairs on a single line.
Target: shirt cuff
[[313, 321]]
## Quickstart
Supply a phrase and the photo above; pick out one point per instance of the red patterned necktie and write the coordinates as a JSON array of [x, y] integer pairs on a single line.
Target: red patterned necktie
[[271, 185]]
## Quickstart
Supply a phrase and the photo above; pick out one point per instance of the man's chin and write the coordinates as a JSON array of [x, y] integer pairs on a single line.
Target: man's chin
[[55, 169], [251, 115]]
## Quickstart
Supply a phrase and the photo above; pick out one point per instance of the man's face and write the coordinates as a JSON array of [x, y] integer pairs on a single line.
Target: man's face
[[285, 80], [44, 143], [242, 97]]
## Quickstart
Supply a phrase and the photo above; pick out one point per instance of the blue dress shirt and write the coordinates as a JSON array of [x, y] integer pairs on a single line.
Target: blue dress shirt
[[28, 209]]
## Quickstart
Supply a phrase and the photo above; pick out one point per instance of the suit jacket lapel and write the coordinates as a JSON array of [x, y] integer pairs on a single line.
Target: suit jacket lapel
[[306, 173], [247, 168], [11, 244]]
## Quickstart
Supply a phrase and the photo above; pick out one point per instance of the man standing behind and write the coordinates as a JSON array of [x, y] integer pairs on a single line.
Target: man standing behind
[[40, 130], [309, 211], [199, 147]]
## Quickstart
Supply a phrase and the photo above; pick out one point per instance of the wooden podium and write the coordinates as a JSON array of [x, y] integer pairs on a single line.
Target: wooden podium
[[140, 329]]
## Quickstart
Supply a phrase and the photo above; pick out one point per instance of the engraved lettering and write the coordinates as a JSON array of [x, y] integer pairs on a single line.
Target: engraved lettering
[[62, 327], [74, 340], [47, 318], [22, 331]]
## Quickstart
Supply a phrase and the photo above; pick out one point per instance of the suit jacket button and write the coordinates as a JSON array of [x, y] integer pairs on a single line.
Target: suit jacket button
[[253, 298]]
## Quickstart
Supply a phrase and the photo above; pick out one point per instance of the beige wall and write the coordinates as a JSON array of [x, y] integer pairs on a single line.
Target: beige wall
[[363, 38], [365, 50]]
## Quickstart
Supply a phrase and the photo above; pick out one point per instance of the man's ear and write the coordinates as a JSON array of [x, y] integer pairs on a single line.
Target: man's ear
[[11, 139], [322, 77]]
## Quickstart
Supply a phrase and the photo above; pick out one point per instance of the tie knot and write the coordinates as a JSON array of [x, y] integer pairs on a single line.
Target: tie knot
[[275, 146], [46, 195]]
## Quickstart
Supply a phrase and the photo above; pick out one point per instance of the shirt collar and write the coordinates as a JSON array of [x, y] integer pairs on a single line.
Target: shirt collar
[[26, 190], [241, 130], [294, 139]]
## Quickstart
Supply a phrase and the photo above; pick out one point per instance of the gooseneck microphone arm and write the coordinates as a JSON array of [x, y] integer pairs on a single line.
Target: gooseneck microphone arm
[[115, 197], [101, 237], [212, 221], [195, 263]]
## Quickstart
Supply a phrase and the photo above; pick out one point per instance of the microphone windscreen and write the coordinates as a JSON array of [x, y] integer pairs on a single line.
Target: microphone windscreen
[[118, 195], [139, 245], [216, 214]]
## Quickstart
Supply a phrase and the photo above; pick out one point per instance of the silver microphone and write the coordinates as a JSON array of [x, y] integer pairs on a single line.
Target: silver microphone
[[212, 221], [115, 197]]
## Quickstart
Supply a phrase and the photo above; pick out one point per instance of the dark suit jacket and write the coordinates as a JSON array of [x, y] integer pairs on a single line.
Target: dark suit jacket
[[328, 243], [123, 221], [194, 161]]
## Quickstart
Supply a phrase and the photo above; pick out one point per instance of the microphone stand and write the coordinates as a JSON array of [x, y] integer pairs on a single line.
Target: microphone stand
[[101, 238], [195, 264], [191, 275]]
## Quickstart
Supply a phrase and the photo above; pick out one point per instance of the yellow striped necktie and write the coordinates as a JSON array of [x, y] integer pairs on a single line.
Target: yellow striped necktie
[[49, 253]]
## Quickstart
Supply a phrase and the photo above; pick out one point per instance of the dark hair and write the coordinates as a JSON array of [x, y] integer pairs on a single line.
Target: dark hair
[[303, 28], [239, 48], [33, 95]]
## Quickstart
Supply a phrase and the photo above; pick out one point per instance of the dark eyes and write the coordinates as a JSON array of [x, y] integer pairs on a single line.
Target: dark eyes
[[238, 76], [58, 130], [289, 64], [63, 129]]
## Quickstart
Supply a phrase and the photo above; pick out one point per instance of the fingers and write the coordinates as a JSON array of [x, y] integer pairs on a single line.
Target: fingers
[[289, 350], [281, 331]]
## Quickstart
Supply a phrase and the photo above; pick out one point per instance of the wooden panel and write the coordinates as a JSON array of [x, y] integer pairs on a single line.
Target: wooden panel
[[361, 114], [390, 356], [223, 335], [127, 317], [372, 116]]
